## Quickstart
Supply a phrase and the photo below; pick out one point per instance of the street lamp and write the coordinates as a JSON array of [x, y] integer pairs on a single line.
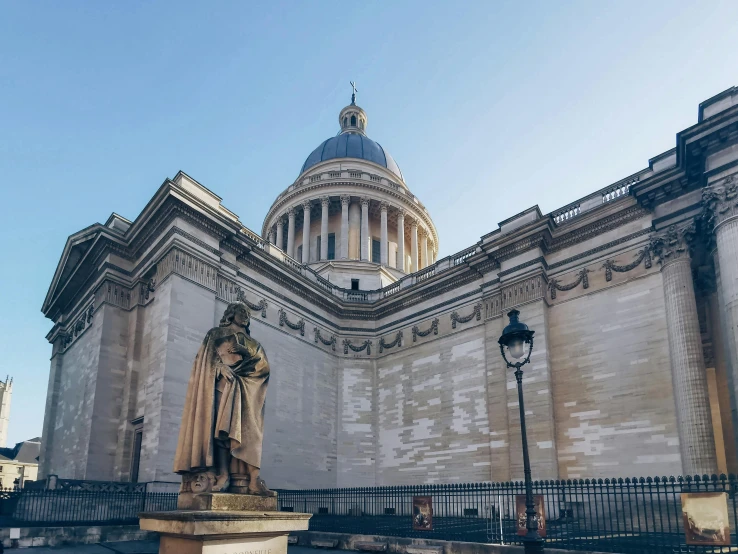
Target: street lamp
[[515, 337]]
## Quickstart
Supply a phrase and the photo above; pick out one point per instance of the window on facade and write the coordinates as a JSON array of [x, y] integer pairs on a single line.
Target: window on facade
[[354, 284], [353, 121], [332, 246], [376, 258], [136, 455]]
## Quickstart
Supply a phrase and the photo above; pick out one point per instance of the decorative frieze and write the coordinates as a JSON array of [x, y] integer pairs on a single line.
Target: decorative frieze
[[520, 292], [77, 327], [115, 294], [720, 201], [397, 342], [493, 306], [328, 342], [283, 320], [187, 266], [366, 345], [673, 244], [643, 255], [432, 329], [554, 284], [456, 318]]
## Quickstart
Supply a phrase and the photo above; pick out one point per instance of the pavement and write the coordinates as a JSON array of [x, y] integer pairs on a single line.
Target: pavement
[[127, 547]]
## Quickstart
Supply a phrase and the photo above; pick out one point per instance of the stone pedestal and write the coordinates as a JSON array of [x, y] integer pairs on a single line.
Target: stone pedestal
[[227, 524]]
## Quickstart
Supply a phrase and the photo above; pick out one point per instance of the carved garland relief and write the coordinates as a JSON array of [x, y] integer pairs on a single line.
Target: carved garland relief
[[328, 342], [283, 320]]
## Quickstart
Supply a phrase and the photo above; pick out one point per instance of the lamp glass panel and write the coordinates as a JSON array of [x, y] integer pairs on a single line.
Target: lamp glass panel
[[516, 348]]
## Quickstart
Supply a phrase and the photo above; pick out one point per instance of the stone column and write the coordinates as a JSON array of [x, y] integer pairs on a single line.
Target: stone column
[[720, 201], [401, 239], [272, 237], [383, 252], [413, 246], [291, 232], [423, 249], [306, 232], [354, 224], [345, 226], [365, 251], [696, 440], [325, 202], [280, 231]]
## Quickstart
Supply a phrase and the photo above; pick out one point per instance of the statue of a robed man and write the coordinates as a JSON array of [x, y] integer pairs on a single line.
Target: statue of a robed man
[[219, 448]]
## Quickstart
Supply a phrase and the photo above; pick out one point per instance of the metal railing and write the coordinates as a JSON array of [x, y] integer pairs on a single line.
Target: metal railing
[[635, 515], [31, 507]]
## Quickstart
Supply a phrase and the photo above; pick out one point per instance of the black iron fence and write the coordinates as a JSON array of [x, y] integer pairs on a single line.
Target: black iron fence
[[30, 507], [635, 515], [612, 515]]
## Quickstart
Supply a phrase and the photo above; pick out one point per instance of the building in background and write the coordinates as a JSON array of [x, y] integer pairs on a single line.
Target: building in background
[[6, 394], [19, 465], [386, 367]]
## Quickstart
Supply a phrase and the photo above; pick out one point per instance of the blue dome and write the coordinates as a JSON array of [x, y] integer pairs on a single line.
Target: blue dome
[[352, 145]]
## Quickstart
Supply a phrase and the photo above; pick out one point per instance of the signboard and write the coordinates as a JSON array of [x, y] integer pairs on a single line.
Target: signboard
[[422, 513], [522, 518], [705, 516]]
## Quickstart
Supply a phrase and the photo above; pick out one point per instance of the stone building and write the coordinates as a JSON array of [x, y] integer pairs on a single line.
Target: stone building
[[6, 395], [386, 367], [19, 465]]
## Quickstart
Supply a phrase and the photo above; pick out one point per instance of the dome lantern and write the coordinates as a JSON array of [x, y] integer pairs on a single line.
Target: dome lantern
[[352, 119]]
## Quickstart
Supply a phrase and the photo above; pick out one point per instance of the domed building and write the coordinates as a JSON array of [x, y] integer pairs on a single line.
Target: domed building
[[385, 361], [350, 215]]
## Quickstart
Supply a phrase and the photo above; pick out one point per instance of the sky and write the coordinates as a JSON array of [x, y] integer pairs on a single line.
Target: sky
[[488, 107]]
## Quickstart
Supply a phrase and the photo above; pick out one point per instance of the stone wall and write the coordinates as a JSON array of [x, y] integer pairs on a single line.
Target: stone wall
[[433, 424], [68, 428], [614, 402]]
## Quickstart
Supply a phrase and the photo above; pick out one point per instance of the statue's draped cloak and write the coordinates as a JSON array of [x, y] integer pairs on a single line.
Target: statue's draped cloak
[[238, 417]]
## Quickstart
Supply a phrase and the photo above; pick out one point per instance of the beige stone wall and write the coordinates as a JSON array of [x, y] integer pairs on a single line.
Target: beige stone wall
[[433, 425], [612, 388], [300, 420], [357, 423], [69, 431]]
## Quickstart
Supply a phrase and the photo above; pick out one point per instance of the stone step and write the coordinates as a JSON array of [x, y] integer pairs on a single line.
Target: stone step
[[422, 549], [371, 546], [317, 543]]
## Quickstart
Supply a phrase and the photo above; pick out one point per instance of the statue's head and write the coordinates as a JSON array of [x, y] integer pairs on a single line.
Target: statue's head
[[238, 313]]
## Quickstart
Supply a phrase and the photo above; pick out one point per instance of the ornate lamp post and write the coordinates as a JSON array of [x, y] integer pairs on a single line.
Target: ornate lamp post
[[515, 337]]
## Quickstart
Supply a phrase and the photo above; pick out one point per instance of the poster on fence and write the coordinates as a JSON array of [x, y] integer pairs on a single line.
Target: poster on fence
[[522, 519], [422, 513], [705, 516]]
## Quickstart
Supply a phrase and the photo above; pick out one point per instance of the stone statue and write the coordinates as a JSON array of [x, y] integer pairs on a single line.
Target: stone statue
[[220, 440]]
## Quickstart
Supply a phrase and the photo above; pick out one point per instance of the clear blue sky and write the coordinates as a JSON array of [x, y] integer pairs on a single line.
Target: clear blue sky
[[488, 107]]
